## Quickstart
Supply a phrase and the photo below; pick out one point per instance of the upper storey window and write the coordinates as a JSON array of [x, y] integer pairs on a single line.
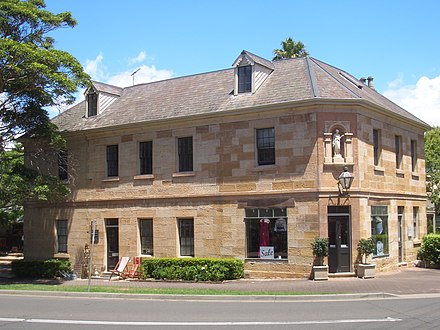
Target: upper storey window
[[92, 104], [244, 79], [250, 72]]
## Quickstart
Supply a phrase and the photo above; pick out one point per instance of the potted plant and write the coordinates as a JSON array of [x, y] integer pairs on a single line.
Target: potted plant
[[365, 248], [320, 250]]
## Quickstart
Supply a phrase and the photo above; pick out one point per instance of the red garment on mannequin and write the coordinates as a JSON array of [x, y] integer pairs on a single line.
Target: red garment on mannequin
[[264, 232]]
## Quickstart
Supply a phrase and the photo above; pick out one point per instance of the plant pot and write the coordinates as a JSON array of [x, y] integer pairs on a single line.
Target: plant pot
[[366, 270], [320, 273]]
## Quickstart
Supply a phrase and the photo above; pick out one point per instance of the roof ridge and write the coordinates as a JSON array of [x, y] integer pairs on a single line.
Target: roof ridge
[[312, 78], [258, 59], [319, 64]]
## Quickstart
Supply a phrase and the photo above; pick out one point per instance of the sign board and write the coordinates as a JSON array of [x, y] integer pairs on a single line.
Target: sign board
[[267, 252]]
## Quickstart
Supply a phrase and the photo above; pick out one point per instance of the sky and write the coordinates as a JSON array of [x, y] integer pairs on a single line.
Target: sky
[[395, 41]]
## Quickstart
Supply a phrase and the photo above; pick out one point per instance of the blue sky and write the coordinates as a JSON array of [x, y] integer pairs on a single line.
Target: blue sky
[[395, 41]]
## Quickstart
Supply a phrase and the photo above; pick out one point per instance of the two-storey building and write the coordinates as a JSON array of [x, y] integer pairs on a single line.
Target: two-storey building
[[239, 163]]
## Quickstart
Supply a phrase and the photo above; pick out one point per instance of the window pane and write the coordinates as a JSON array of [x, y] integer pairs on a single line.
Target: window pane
[[62, 165], [266, 146], [398, 147], [244, 79], [61, 226], [186, 237], [146, 236], [415, 222], [379, 229], [112, 160], [146, 157], [413, 155], [92, 104], [266, 231], [185, 154], [376, 146]]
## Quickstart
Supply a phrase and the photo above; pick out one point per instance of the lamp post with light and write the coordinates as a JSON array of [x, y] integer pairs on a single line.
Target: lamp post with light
[[344, 182]]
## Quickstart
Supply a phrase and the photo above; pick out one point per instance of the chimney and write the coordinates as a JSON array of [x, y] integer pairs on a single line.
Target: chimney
[[363, 80], [370, 82]]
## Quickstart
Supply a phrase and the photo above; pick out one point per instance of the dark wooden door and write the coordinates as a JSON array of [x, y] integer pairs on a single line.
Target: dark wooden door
[[339, 243]]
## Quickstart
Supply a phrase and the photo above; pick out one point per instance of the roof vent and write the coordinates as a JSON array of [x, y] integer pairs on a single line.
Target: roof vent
[[348, 78]]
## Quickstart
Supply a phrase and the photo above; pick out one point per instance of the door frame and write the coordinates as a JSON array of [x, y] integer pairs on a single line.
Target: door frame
[[339, 257], [111, 224]]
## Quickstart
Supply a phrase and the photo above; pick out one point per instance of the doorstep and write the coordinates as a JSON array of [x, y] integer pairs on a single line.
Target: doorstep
[[338, 275]]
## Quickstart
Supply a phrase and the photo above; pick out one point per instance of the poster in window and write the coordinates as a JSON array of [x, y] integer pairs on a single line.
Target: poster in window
[[267, 252]]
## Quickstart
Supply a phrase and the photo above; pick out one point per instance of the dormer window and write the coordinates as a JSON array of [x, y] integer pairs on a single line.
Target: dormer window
[[250, 72], [245, 79], [92, 104]]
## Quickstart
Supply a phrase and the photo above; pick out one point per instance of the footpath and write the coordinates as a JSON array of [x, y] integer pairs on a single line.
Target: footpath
[[404, 281]]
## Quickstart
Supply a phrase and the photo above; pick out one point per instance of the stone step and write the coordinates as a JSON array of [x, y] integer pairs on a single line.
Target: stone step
[[5, 264]]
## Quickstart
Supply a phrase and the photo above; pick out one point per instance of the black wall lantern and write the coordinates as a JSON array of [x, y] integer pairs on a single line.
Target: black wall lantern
[[344, 182]]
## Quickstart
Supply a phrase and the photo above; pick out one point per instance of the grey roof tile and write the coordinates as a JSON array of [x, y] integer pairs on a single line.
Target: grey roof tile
[[292, 80]]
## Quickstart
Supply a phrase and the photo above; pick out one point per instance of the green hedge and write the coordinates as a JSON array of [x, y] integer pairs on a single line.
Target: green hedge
[[40, 268], [430, 250], [194, 269]]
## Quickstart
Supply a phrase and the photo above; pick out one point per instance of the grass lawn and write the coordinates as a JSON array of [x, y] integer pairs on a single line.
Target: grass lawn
[[170, 291]]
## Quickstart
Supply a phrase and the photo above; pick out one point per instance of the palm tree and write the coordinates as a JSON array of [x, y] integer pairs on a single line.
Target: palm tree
[[290, 49]]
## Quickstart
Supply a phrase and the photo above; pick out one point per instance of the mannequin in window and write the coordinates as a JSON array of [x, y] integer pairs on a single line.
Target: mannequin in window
[[337, 143]]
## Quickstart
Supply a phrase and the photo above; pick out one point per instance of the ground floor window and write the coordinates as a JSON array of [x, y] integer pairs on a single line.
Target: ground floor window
[[61, 236], [379, 229], [416, 222], [146, 236], [266, 233], [186, 237]]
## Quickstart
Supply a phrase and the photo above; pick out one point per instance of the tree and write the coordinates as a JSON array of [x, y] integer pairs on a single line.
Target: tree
[[19, 183], [33, 74], [290, 49], [432, 158]]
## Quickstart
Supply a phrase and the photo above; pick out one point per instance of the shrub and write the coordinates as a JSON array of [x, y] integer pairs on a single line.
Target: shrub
[[194, 269], [320, 249], [40, 268], [365, 248], [430, 250]]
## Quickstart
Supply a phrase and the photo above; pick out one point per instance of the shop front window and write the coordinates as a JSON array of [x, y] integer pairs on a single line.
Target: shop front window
[[266, 233], [379, 230]]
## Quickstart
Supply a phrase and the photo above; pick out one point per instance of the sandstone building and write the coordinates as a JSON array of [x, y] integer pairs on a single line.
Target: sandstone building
[[241, 163]]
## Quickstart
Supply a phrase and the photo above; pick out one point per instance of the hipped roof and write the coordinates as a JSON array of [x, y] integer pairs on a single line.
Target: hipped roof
[[292, 80]]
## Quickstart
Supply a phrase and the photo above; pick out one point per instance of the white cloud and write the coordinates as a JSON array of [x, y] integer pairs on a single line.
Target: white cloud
[[138, 59], [95, 68], [145, 74], [99, 72], [421, 99]]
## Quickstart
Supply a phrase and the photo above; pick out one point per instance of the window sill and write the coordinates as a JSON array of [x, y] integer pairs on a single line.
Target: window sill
[[382, 256], [379, 169], [183, 174], [143, 177], [115, 179], [263, 168], [415, 175], [400, 173], [258, 260], [417, 242], [62, 255]]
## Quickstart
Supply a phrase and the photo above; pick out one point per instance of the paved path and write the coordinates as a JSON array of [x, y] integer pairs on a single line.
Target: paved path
[[403, 281]]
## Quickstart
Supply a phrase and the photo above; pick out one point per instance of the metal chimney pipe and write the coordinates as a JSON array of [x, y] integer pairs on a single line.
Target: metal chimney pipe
[[370, 82]]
